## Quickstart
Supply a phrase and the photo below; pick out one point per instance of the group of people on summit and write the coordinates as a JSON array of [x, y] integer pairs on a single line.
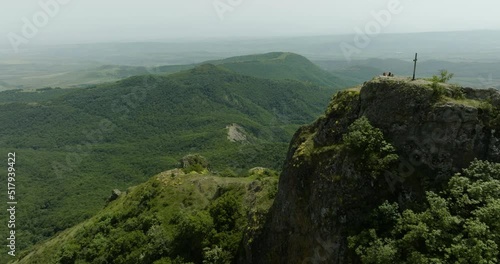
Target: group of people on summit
[[390, 74]]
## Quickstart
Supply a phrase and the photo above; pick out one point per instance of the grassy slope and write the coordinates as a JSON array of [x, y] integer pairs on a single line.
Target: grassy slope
[[154, 120], [157, 201]]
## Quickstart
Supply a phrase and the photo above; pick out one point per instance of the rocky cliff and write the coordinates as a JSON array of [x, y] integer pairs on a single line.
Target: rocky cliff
[[324, 195]]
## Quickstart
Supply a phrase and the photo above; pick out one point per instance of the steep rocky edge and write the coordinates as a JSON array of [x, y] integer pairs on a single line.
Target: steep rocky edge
[[323, 197]]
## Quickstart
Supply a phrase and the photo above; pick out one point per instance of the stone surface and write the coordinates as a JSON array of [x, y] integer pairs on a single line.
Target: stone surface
[[114, 195], [322, 198], [236, 133]]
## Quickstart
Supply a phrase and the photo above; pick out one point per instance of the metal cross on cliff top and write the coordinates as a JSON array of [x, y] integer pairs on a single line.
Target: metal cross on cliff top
[[414, 66]]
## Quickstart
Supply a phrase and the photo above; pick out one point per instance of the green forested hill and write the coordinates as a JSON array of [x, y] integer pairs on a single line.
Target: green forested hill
[[172, 218], [274, 65], [283, 65], [73, 147]]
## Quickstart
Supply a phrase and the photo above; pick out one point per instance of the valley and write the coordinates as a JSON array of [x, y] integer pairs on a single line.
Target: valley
[[88, 141]]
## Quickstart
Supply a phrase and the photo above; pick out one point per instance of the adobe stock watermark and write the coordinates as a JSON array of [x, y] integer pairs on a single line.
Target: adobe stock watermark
[[48, 9], [222, 7], [363, 37]]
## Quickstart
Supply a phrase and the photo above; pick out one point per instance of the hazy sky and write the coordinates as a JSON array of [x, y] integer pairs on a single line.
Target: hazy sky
[[141, 20]]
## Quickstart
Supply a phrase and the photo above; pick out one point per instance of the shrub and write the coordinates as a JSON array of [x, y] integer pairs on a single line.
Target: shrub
[[367, 144], [457, 92], [68, 253], [191, 235], [194, 162], [445, 76], [460, 224], [439, 90], [227, 172], [216, 255], [225, 211]]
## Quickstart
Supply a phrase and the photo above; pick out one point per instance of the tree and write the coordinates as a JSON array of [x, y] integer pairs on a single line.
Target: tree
[[191, 235], [460, 224], [444, 76], [368, 144], [225, 211]]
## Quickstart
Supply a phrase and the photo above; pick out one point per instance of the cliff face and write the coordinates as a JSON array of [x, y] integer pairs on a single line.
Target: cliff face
[[323, 197]]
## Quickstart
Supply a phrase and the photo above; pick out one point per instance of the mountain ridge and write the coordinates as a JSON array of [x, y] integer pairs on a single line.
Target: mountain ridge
[[273, 65], [161, 201]]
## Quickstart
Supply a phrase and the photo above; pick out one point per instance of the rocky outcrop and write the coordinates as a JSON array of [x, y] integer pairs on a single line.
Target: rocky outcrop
[[236, 133], [194, 160], [114, 195], [323, 198]]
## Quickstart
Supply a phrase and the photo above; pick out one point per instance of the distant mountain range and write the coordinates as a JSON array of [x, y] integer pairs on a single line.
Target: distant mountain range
[[327, 70], [275, 65], [472, 74]]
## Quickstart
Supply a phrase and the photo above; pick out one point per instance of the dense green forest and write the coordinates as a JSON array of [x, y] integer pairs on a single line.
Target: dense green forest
[[285, 65], [75, 145]]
